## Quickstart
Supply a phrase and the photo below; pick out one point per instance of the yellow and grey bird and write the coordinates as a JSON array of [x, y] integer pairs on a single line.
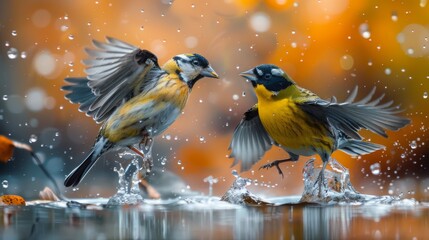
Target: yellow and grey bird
[[301, 123], [131, 95]]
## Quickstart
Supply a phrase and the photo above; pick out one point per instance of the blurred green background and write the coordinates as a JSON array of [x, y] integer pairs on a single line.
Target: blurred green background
[[327, 46]]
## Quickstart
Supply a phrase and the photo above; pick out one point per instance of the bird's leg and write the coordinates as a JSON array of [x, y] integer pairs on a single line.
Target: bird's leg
[[321, 178], [276, 164], [136, 151], [146, 145]]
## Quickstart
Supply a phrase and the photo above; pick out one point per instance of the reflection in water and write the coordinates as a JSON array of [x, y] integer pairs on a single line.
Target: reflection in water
[[211, 219], [239, 223], [326, 222]]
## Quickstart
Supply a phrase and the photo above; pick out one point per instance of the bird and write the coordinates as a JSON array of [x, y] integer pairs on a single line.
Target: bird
[[131, 96], [302, 124]]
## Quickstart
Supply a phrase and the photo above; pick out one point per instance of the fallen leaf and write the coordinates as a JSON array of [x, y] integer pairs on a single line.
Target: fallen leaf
[[12, 200], [48, 194], [6, 149]]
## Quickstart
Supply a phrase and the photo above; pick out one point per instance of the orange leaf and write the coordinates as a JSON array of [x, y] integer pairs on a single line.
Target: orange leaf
[[6, 149], [11, 200]]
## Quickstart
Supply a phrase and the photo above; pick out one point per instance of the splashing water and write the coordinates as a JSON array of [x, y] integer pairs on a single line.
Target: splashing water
[[211, 180], [128, 189], [337, 188], [238, 193], [129, 179]]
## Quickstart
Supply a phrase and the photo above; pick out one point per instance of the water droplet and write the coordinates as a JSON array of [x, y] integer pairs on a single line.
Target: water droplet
[[403, 155], [71, 37], [5, 97], [200, 101], [64, 28], [243, 94], [394, 16], [235, 97], [234, 173], [6, 44], [423, 3], [202, 139], [33, 138], [364, 30], [413, 144], [142, 10], [14, 33], [179, 162], [192, 5], [5, 184], [141, 28], [425, 95], [168, 137], [12, 53], [375, 168], [23, 55], [178, 30]]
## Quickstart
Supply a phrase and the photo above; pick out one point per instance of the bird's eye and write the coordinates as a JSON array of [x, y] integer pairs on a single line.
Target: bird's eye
[[267, 76], [196, 63]]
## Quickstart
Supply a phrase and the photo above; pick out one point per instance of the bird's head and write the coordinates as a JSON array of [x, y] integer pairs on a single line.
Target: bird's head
[[191, 68], [268, 77]]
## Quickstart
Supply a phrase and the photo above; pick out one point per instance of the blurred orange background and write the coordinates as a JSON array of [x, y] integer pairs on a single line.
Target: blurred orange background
[[327, 46]]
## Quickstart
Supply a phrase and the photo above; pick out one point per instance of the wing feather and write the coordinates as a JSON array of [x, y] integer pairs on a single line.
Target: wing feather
[[116, 71], [250, 140], [349, 116]]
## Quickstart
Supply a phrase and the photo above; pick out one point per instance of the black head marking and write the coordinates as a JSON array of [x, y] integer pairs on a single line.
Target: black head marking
[[272, 77], [202, 61]]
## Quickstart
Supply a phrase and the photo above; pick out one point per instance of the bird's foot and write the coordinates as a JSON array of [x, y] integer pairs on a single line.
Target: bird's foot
[[146, 145], [275, 164], [320, 184]]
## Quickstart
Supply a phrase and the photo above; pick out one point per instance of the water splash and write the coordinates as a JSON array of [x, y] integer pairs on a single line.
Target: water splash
[[337, 188], [128, 189], [238, 193], [211, 180]]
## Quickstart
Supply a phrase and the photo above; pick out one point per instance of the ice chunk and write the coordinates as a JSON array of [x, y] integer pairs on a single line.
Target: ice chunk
[[336, 185], [238, 193], [337, 188]]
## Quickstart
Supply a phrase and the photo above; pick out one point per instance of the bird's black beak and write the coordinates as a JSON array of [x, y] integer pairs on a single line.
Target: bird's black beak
[[209, 72], [249, 75]]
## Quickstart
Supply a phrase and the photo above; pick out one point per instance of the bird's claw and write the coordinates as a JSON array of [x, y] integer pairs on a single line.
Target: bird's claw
[[272, 164]]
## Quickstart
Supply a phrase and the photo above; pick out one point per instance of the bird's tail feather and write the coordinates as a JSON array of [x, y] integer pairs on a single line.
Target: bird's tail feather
[[357, 147], [80, 171]]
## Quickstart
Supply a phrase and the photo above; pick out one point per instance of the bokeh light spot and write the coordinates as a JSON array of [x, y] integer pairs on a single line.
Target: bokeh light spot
[[35, 100], [346, 62], [41, 18], [260, 22], [44, 63]]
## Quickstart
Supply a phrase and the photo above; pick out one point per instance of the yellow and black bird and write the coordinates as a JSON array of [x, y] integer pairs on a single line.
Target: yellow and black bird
[[131, 95], [301, 123]]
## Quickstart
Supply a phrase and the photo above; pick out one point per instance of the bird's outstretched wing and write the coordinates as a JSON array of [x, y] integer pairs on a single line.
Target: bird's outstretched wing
[[351, 116], [250, 140], [116, 71]]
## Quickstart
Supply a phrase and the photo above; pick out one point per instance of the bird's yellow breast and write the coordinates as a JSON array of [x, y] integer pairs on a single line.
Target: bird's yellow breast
[[157, 109], [288, 125]]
